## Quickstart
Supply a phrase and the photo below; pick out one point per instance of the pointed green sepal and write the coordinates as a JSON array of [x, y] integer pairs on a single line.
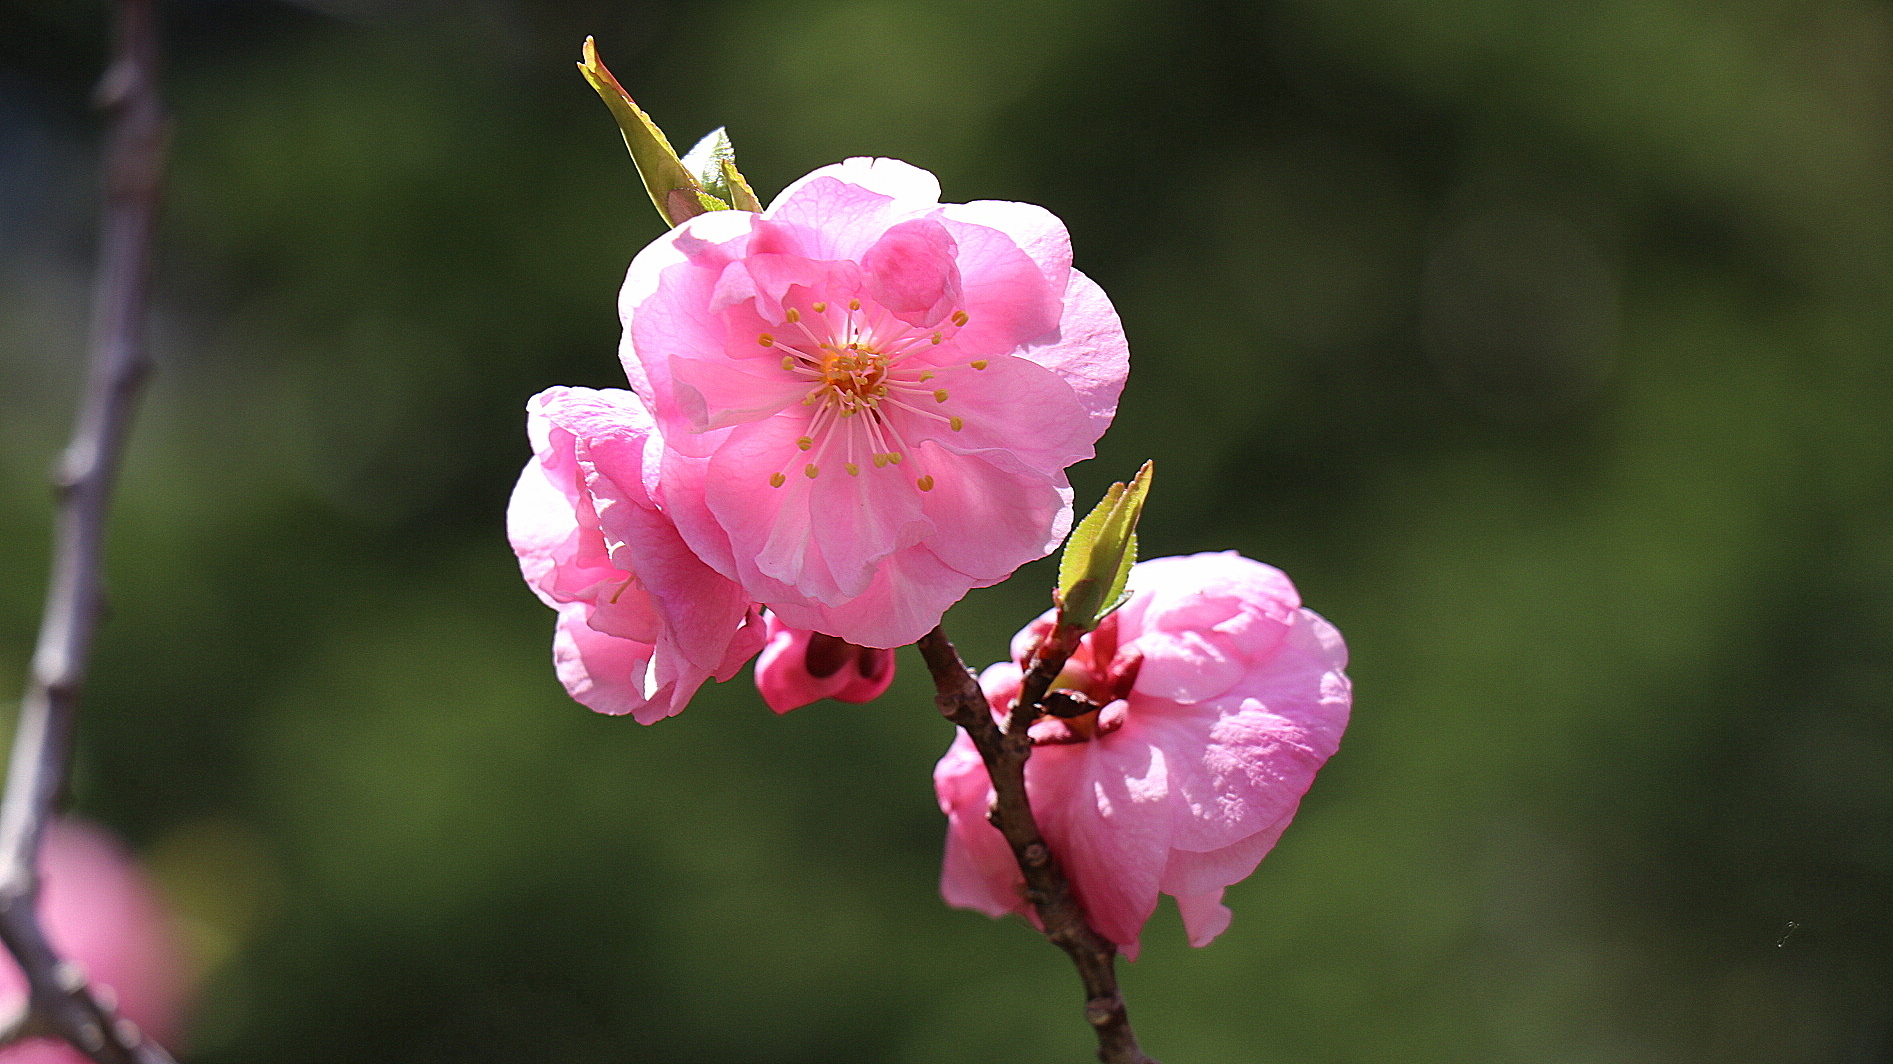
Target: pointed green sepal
[[1098, 557], [713, 163], [676, 193]]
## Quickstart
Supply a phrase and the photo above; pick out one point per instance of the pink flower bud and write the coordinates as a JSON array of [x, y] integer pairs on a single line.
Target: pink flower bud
[[104, 917], [798, 667]]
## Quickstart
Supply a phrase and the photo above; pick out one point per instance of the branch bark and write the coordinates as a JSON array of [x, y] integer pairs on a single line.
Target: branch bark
[[1005, 752], [59, 1001]]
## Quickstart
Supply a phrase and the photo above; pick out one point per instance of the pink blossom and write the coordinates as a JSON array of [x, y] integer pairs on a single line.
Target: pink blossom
[[868, 398], [102, 915], [798, 667], [642, 621], [1218, 697]]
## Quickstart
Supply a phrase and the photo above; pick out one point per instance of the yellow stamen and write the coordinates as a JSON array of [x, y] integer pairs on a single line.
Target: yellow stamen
[[776, 480], [960, 318], [793, 315], [927, 376], [940, 396], [805, 443], [810, 471], [788, 362], [854, 304], [979, 363], [765, 339], [894, 457], [956, 423], [925, 483], [936, 338], [821, 308], [853, 470], [880, 461]]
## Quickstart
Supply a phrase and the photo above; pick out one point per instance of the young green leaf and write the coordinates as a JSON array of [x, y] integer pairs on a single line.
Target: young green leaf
[[1098, 557], [676, 193]]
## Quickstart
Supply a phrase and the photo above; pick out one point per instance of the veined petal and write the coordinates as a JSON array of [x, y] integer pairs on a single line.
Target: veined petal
[[1090, 353], [1012, 413], [717, 393], [988, 518], [1008, 302], [1035, 230], [685, 264], [912, 273]]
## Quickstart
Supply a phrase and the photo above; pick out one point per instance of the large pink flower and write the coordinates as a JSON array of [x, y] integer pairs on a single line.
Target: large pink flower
[[642, 621], [868, 398], [103, 916], [1218, 697]]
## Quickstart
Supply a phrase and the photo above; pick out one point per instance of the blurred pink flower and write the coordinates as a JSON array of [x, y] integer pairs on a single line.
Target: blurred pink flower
[[868, 399], [1217, 698], [642, 622], [102, 915], [799, 667]]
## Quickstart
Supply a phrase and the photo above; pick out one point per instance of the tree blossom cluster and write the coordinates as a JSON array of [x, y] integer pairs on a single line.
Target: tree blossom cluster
[[848, 410], [844, 412]]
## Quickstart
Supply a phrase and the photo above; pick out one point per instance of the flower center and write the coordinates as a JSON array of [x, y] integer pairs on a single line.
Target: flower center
[[863, 385]]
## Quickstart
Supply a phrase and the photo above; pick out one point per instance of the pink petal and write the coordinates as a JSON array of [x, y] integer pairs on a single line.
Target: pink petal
[[987, 521], [912, 273], [845, 207], [903, 602], [1014, 413], [666, 293], [1090, 353], [1204, 916], [1102, 808], [1007, 300], [1035, 230], [979, 872], [714, 393], [612, 675]]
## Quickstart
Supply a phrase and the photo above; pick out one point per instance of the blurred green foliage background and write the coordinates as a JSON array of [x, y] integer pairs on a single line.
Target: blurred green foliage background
[[1545, 344]]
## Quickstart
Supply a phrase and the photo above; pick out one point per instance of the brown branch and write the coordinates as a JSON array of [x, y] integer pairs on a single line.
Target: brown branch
[[59, 1002], [1005, 753]]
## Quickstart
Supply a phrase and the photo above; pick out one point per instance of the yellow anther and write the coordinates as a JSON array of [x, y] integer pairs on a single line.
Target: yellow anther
[[894, 457], [793, 315], [936, 338], [979, 363], [927, 376], [925, 483], [960, 318], [788, 362], [820, 308], [854, 304], [765, 339], [853, 470], [810, 471], [880, 461], [805, 443], [776, 480], [956, 423], [940, 396]]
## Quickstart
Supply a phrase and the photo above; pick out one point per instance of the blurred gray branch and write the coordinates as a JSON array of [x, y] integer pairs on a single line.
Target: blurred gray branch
[[60, 1003]]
